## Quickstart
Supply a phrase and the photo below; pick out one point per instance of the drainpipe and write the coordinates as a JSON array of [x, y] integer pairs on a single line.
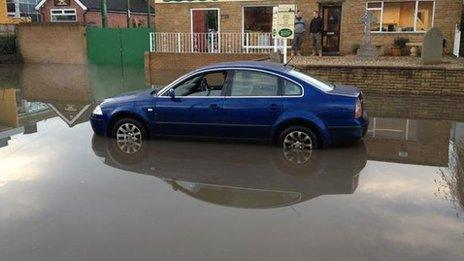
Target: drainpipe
[[104, 14], [128, 14], [148, 13]]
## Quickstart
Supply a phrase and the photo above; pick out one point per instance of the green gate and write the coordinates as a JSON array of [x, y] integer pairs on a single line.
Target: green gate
[[117, 46]]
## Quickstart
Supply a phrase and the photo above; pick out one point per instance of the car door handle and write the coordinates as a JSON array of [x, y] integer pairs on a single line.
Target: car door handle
[[273, 107], [214, 107]]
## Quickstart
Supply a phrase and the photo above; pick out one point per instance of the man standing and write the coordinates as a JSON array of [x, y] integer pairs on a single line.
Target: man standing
[[300, 29], [315, 28]]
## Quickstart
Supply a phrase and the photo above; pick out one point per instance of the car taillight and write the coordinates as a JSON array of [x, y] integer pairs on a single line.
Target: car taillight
[[358, 111]]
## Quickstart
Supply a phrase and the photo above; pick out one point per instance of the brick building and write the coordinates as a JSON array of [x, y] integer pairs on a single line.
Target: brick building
[[342, 19], [89, 12]]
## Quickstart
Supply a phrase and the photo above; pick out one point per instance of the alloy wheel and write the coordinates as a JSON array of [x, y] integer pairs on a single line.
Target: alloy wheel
[[297, 147], [129, 138]]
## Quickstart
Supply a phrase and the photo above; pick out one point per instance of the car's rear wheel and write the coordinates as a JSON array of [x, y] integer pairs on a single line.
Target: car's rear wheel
[[298, 138], [130, 132]]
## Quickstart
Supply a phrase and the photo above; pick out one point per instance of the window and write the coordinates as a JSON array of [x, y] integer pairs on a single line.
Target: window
[[209, 84], [401, 16], [63, 15], [252, 83], [257, 19], [10, 8], [317, 83], [26, 9], [291, 89]]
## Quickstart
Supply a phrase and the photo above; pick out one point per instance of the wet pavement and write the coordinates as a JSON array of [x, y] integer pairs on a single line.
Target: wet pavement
[[66, 194]]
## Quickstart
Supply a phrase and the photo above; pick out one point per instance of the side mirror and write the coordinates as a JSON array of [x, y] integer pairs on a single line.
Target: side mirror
[[172, 93]]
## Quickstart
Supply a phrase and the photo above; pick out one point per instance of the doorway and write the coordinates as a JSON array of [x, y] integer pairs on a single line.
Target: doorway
[[205, 29], [331, 16]]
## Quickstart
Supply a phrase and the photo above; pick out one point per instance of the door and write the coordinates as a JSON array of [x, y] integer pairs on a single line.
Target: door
[[195, 109], [331, 15], [252, 105], [205, 29]]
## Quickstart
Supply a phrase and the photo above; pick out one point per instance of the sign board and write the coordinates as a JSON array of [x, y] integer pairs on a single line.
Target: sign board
[[62, 2], [284, 24]]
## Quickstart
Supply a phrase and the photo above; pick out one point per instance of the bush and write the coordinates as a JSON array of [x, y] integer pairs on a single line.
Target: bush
[[7, 44], [400, 42], [355, 47]]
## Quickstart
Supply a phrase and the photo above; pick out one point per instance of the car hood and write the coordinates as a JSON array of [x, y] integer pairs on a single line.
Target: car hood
[[129, 97], [345, 90]]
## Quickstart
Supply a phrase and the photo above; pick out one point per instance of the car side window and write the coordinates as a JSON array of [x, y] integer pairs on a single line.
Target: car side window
[[253, 83], [291, 89], [208, 84]]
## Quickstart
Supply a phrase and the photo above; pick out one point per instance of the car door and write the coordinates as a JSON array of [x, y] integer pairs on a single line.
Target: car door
[[196, 107], [251, 105]]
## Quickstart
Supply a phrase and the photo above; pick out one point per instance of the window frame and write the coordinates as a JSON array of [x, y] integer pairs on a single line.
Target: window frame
[[164, 92], [251, 6], [62, 11], [280, 79], [416, 9]]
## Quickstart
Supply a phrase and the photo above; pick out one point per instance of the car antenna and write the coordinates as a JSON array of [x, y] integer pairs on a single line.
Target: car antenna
[[289, 60]]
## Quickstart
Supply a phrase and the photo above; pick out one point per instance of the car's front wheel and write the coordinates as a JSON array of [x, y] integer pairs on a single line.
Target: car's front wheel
[[129, 130], [298, 138]]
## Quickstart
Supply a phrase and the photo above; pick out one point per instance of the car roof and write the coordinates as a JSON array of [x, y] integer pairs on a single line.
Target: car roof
[[268, 66]]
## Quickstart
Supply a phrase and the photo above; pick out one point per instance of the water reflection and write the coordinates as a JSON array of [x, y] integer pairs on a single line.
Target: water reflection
[[239, 175], [216, 192], [70, 91], [17, 115]]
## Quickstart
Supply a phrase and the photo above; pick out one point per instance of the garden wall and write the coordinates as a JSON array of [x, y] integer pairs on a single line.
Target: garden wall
[[52, 43], [420, 80], [156, 62]]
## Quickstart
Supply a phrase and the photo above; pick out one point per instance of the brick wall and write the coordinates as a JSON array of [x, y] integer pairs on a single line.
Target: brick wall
[[93, 17], [50, 4], [52, 43], [176, 18], [170, 62], [395, 80], [116, 19]]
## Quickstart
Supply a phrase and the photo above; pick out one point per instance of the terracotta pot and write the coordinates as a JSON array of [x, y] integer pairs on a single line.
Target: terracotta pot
[[395, 51]]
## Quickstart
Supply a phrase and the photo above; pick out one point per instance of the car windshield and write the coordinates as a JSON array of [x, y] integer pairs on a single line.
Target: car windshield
[[320, 84]]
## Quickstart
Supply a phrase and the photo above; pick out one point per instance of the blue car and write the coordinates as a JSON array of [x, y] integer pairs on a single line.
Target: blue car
[[239, 100]]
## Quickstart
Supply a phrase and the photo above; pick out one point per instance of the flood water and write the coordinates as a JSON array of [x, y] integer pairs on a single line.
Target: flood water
[[66, 194]]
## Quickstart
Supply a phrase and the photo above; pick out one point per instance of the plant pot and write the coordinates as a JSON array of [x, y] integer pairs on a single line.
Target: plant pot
[[395, 51]]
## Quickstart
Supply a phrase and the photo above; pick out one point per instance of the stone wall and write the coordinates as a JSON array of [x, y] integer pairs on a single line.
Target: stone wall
[[175, 17], [52, 43], [394, 80], [171, 62]]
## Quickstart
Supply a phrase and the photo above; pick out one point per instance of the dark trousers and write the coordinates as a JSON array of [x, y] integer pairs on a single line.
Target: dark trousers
[[297, 41]]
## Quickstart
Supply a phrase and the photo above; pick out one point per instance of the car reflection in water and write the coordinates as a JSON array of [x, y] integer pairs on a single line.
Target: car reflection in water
[[239, 175]]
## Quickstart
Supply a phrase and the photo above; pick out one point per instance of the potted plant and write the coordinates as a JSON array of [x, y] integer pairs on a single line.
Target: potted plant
[[398, 46]]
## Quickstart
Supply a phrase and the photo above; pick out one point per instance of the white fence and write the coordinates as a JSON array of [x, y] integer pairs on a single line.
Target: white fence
[[215, 43], [457, 41]]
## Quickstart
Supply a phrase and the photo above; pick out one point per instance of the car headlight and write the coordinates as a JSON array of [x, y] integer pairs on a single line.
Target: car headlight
[[97, 110]]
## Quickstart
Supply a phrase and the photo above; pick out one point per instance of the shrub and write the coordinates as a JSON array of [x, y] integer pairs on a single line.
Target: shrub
[[400, 42], [7, 44]]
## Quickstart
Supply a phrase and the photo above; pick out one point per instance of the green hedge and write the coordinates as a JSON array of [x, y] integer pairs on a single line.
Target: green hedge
[[7, 44]]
